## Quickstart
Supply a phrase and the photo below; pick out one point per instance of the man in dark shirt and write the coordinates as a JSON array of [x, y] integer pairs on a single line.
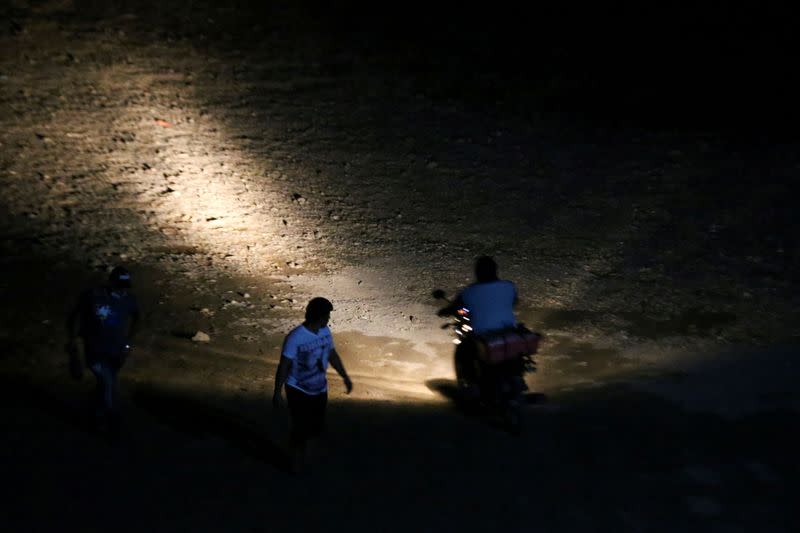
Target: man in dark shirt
[[105, 318]]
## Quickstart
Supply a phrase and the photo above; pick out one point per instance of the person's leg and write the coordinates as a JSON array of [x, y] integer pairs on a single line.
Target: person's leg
[[103, 393], [114, 413], [109, 380], [464, 363], [317, 408], [467, 375], [299, 425]]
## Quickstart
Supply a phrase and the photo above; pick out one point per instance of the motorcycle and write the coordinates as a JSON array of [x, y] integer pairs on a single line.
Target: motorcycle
[[490, 368]]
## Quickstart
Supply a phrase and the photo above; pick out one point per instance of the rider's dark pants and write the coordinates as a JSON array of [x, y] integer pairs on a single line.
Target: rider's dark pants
[[489, 377], [466, 361]]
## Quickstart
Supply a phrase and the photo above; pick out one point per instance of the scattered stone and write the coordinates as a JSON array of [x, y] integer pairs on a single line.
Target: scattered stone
[[201, 337]]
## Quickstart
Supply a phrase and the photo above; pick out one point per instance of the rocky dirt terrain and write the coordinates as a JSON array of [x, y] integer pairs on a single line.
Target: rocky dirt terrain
[[241, 164]]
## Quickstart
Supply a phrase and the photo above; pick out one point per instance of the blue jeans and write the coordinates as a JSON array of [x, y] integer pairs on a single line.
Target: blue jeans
[[105, 371]]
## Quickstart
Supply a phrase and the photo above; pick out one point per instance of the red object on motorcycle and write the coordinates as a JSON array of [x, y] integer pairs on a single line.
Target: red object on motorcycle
[[507, 345]]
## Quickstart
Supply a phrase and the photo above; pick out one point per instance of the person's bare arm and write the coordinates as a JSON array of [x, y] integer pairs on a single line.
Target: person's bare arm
[[336, 363], [452, 307], [281, 374]]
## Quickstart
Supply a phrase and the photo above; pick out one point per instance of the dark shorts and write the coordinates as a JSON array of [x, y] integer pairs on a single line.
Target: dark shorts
[[307, 412]]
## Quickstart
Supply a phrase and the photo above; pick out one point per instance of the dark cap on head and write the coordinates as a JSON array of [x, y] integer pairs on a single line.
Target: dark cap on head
[[485, 268], [317, 308], [120, 278]]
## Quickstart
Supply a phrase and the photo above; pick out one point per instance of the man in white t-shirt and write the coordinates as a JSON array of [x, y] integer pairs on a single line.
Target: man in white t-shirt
[[307, 351]]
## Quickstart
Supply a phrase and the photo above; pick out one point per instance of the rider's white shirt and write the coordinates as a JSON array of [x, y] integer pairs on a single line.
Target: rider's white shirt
[[491, 305]]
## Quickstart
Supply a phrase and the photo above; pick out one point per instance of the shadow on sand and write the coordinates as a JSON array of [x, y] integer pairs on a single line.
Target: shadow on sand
[[196, 418], [183, 413], [67, 403], [468, 406], [449, 389], [612, 459]]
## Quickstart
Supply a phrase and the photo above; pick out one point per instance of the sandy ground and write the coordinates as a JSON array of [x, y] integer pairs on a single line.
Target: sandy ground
[[239, 176]]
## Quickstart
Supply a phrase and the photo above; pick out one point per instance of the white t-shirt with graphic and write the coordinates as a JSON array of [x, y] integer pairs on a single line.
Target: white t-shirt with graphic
[[309, 353]]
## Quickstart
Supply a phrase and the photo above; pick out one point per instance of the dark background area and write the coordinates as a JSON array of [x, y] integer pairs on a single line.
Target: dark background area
[[620, 61], [706, 66]]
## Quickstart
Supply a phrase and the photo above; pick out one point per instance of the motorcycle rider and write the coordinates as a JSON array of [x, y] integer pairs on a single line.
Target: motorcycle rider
[[490, 301]]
